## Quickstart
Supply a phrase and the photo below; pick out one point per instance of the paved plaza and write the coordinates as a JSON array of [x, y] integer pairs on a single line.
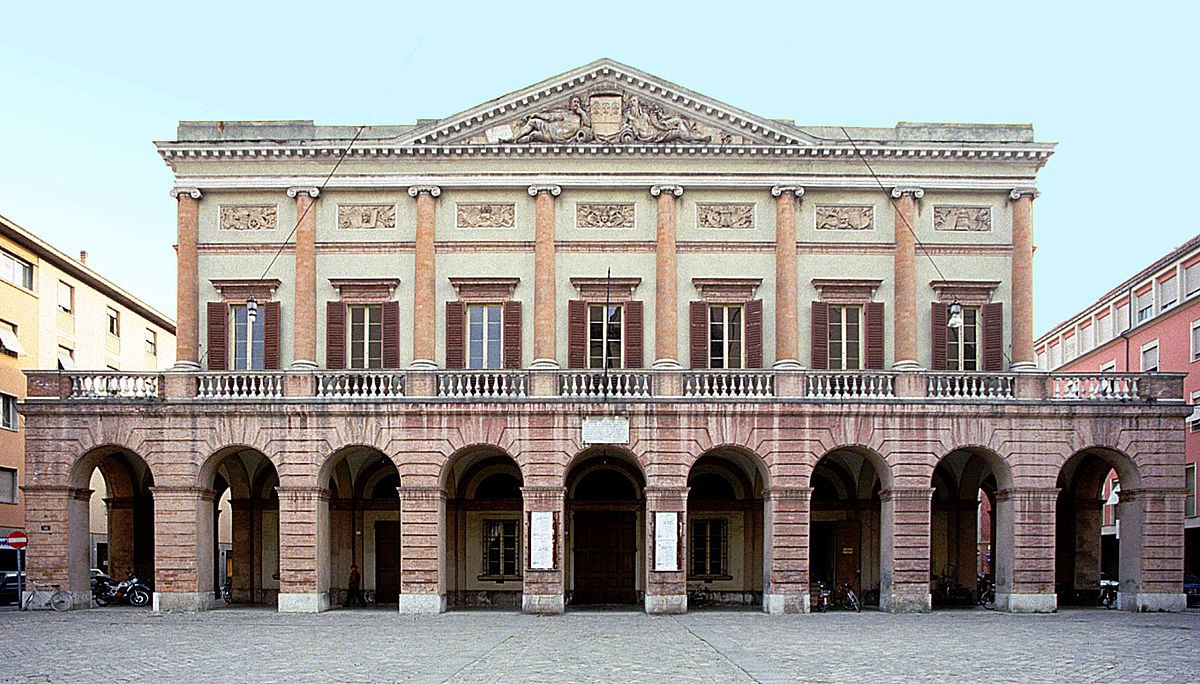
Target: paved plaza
[[241, 645]]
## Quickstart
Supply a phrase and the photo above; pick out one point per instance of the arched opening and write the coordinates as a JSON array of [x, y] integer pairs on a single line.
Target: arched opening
[[245, 529], [364, 526], [606, 506], [964, 552], [845, 516], [725, 530], [111, 519], [484, 549], [1098, 536]]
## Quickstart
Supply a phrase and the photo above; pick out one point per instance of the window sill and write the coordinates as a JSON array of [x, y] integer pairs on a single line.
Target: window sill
[[709, 578], [499, 579]]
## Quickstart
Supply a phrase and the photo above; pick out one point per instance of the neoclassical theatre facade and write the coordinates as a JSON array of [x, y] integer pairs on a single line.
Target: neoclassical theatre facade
[[605, 340]]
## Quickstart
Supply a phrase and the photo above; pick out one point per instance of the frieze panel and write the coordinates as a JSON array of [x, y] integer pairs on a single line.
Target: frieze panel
[[604, 215], [486, 215], [962, 218], [725, 215], [605, 116], [839, 217], [246, 217], [366, 216]]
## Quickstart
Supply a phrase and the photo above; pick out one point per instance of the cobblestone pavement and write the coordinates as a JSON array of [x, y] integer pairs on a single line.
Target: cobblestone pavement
[[244, 645]]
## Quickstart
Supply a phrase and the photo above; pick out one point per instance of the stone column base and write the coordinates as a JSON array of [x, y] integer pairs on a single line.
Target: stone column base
[[909, 603], [307, 602], [1152, 603], [779, 604], [666, 604], [182, 601], [543, 604], [422, 604], [1027, 603]]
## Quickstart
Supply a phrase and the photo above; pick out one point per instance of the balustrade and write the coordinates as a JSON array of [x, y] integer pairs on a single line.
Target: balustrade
[[969, 386], [482, 384], [239, 385], [1097, 387], [849, 384], [614, 384], [106, 385], [365, 384], [729, 384]]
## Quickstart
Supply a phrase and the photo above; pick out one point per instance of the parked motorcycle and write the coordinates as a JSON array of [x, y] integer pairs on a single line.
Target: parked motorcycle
[[824, 597], [986, 589], [131, 590], [1108, 593]]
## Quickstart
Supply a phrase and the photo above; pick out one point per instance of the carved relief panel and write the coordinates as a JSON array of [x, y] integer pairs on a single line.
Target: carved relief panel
[[962, 218], [247, 217], [485, 215], [838, 217], [724, 215], [366, 216], [604, 215]]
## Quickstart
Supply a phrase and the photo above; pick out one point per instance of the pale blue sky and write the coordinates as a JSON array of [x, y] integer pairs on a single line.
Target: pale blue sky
[[87, 86]]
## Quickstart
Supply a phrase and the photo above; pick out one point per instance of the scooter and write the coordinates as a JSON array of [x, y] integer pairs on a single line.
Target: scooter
[[131, 590], [824, 597]]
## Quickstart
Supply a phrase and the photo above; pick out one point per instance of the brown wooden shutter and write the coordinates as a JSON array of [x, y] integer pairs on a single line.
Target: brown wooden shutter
[[754, 333], [218, 336], [633, 335], [576, 334], [512, 335], [993, 336], [271, 315], [456, 338], [937, 335], [820, 336], [698, 334], [391, 335], [335, 335], [873, 335]]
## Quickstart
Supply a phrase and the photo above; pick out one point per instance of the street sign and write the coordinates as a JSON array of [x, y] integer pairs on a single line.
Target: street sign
[[17, 539]]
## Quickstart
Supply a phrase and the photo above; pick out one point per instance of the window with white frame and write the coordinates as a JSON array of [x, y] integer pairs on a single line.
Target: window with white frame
[[1189, 484], [1168, 293], [8, 411], [1109, 367], [245, 340], [15, 270], [709, 548], [1122, 322], [9, 342], [1145, 305], [1195, 337], [1193, 420], [605, 333], [1069, 348], [151, 342], [114, 322], [8, 485], [66, 297], [1041, 360], [1150, 357], [845, 337], [1055, 356], [1087, 338], [1104, 325], [66, 358], [1191, 279], [962, 344], [485, 350], [364, 336], [725, 336], [500, 549]]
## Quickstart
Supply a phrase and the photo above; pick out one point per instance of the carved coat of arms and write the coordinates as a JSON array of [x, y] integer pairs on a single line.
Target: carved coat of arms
[[606, 118]]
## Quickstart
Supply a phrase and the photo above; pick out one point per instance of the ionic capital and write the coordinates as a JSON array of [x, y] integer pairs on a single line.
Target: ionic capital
[[917, 193], [431, 190], [311, 191], [554, 190], [779, 190], [194, 193], [1018, 193], [657, 190]]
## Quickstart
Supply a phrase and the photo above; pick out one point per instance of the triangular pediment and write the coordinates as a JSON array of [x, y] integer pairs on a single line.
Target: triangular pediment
[[606, 103]]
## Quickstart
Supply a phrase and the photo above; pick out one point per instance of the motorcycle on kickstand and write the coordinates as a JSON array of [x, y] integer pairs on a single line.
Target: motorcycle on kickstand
[[131, 590]]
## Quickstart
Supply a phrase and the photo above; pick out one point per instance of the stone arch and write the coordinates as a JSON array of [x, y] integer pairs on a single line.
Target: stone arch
[[846, 513], [725, 531], [606, 506]]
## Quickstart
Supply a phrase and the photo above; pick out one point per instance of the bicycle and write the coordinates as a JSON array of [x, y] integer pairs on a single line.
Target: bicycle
[[47, 595]]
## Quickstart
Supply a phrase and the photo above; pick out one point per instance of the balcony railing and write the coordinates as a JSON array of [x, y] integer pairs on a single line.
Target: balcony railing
[[729, 384], [849, 385], [970, 386], [482, 384], [240, 385], [615, 384], [1095, 387], [114, 385], [362, 384]]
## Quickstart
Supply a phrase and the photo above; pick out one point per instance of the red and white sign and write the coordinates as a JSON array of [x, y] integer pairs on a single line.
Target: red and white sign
[[17, 540]]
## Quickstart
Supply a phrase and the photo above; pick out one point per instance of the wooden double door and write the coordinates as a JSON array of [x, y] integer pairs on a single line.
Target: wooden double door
[[605, 557], [387, 561]]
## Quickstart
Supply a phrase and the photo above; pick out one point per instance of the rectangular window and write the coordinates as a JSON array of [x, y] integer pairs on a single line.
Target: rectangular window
[[1121, 324], [1193, 420], [1055, 354], [365, 336], [1189, 483], [66, 359], [151, 342], [66, 297], [485, 350], [845, 337], [604, 336], [1150, 357], [8, 485], [1087, 338], [1168, 293], [725, 336], [114, 322], [1069, 348], [1195, 340], [709, 548], [1105, 324], [1110, 367], [1191, 279], [16, 270], [8, 411], [1145, 305], [1041, 360], [962, 344], [500, 549], [9, 342], [245, 342]]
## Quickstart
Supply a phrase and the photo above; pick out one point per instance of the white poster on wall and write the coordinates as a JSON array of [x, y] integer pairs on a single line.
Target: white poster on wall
[[666, 541], [541, 540]]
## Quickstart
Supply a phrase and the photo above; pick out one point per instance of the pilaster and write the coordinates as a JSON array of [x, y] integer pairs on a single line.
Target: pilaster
[[787, 547], [904, 550], [1025, 550], [304, 331], [666, 567], [422, 549], [544, 591], [303, 549], [905, 278], [1023, 358], [545, 330], [666, 288], [183, 521], [187, 283], [425, 278], [787, 330]]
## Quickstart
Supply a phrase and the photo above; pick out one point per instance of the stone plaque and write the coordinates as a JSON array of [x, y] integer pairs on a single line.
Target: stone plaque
[[366, 216], [604, 215], [666, 541], [724, 215], [245, 217], [541, 540], [606, 430], [845, 218], [486, 215], [977, 219]]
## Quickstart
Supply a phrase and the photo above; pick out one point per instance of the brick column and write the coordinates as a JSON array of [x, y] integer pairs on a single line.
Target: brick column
[[422, 549], [425, 278], [304, 317], [187, 283], [60, 554], [1022, 279], [786, 548], [183, 560], [545, 588], [787, 326], [904, 308], [303, 549], [545, 331], [904, 550], [1151, 550], [666, 288], [666, 589], [1024, 555]]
